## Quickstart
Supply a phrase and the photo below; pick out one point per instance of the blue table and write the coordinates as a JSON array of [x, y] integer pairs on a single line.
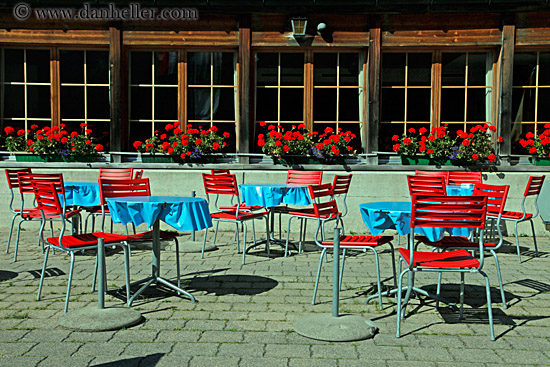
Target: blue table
[[271, 195], [182, 213], [82, 193]]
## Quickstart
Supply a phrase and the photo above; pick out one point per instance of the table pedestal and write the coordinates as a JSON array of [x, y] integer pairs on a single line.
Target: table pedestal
[[155, 274]]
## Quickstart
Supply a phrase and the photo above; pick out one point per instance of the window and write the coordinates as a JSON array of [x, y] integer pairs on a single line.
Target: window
[[430, 89], [84, 91], [25, 88], [530, 95], [318, 89], [153, 92]]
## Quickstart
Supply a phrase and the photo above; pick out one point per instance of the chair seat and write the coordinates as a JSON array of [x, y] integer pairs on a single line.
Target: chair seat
[[87, 239], [441, 260], [148, 236], [512, 215], [36, 213], [243, 207], [351, 241], [308, 212], [96, 210], [232, 215], [450, 242]]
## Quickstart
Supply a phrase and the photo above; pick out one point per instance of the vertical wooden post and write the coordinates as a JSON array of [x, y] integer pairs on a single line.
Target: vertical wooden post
[[115, 50], [244, 128], [505, 100], [370, 133], [54, 87]]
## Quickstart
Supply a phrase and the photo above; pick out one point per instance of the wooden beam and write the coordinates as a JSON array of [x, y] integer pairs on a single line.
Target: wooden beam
[[54, 37], [278, 39], [370, 133], [115, 51], [505, 101], [181, 38], [532, 37], [462, 37], [245, 127]]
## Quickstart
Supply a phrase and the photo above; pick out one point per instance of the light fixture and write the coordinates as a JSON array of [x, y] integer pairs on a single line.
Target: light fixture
[[299, 25]]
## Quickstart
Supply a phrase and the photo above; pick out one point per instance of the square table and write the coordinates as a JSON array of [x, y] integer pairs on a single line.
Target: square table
[[182, 213]]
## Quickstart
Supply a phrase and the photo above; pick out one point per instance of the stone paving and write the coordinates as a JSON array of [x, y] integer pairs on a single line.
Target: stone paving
[[244, 314]]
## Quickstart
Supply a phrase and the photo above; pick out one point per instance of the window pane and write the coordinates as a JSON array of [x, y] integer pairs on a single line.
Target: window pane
[[266, 104], [349, 69], [13, 65], [525, 68], [292, 69], [14, 101], [479, 105], [98, 103], [198, 104], [452, 104], [231, 141], [38, 66], [518, 132], [72, 103], [418, 104], [226, 104], [393, 69], [166, 68], [480, 69], [101, 131], [292, 104], [544, 68], [325, 69], [166, 103], [226, 69], [266, 68], [453, 69], [71, 66], [199, 68], [386, 133], [324, 104], [393, 104], [349, 104], [140, 67], [523, 104], [140, 131], [140, 103], [419, 69], [97, 67], [543, 110], [38, 101]]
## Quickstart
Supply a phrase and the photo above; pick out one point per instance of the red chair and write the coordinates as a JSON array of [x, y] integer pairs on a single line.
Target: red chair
[[458, 178], [117, 173], [227, 185], [534, 185], [328, 211], [340, 187], [138, 174], [13, 184], [33, 214], [427, 184], [455, 212], [444, 174], [496, 200], [221, 171], [50, 209]]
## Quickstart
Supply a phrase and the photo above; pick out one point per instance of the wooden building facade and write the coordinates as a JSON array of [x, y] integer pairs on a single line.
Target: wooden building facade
[[376, 68]]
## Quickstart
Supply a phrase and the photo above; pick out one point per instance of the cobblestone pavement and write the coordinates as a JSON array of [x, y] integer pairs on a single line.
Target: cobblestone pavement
[[244, 314]]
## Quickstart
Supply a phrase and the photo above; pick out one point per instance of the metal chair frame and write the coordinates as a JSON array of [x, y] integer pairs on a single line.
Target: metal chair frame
[[13, 184]]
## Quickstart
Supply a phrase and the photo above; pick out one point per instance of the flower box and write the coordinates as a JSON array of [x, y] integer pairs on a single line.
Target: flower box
[[540, 161], [419, 160], [24, 157], [164, 158]]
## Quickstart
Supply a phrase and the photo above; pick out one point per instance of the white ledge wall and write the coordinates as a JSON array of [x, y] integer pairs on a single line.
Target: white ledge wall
[[365, 187]]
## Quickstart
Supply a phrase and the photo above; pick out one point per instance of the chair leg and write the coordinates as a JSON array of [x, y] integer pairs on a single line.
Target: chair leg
[[489, 307], [204, 243], [17, 240], [216, 234], [378, 281], [11, 230], [517, 240], [438, 291], [323, 253], [178, 261], [126, 250], [341, 275], [534, 238], [497, 264], [288, 236], [399, 301], [461, 314], [69, 283], [244, 242], [42, 274]]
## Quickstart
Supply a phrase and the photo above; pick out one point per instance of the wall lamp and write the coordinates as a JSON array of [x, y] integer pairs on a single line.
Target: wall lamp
[[299, 25]]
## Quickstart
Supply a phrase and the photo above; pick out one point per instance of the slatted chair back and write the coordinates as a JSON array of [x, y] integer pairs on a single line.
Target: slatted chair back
[[47, 199], [220, 184], [13, 183], [534, 185], [433, 173], [426, 185], [448, 211], [457, 178], [295, 177], [323, 209], [138, 174], [341, 185], [496, 197], [26, 180], [115, 188], [222, 171], [117, 173]]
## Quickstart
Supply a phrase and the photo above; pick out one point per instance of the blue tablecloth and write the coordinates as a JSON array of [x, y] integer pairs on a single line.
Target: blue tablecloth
[[182, 213], [460, 190], [269, 195], [82, 193]]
